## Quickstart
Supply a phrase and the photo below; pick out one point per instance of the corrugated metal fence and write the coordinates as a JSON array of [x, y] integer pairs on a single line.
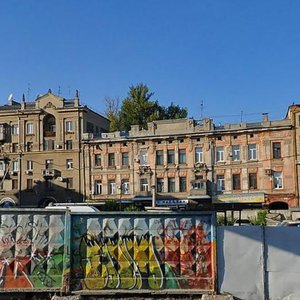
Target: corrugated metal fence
[[54, 251], [259, 262]]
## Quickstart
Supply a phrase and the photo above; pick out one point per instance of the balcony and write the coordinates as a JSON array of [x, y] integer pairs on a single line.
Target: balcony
[[198, 188], [49, 173], [49, 133]]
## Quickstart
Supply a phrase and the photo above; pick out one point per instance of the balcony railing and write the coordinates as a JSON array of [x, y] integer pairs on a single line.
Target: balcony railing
[[49, 133]]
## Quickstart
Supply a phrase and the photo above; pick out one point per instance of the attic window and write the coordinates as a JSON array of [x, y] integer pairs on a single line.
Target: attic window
[[182, 141], [251, 135], [159, 142], [110, 145], [125, 144], [219, 138], [198, 139], [235, 137]]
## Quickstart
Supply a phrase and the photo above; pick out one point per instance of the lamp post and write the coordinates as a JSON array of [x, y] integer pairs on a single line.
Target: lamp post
[[153, 196], [20, 178]]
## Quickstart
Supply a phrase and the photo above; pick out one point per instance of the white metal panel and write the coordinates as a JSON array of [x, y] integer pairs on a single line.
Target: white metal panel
[[283, 262], [240, 261]]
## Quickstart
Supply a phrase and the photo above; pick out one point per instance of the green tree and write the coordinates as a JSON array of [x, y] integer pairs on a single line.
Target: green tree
[[137, 109]]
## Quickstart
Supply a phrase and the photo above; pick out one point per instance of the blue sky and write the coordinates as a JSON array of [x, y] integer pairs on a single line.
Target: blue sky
[[233, 55]]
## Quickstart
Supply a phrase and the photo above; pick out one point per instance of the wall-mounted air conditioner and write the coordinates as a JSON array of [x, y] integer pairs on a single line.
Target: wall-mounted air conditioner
[[28, 172]]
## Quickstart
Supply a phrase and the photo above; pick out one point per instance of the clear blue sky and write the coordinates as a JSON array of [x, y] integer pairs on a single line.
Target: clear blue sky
[[233, 55]]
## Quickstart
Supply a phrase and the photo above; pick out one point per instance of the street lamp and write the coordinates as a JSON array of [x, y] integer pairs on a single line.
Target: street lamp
[[153, 195]]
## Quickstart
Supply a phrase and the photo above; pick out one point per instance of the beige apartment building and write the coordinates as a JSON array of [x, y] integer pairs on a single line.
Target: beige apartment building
[[41, 158], [195, 163]]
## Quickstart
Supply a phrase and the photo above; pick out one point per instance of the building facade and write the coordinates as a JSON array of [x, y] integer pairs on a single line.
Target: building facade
[[185, 161], [41, 149]]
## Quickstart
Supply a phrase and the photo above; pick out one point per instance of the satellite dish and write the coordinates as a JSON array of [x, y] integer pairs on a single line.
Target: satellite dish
[[10, 97]]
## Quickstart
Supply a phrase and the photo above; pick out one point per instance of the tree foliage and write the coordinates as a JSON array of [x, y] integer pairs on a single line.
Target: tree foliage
[[138, 108]]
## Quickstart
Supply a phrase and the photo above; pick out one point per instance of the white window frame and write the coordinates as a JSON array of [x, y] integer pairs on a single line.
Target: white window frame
[[220, 183], [236, 152], [219, 154], [98, 187], [277, 180], [144, 157], [112, 188], [198, 154], [144, 185], [29, 128], [29, 165], [69, 126], [15, 166], [15, 129], [69, 164], [125, 187], [2, 166], [252, 152]]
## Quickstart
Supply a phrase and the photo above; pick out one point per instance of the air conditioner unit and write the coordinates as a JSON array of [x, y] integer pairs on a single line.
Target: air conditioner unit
[[12, 172], [58, 146], [268, 171], [61, 179], [28, 172]]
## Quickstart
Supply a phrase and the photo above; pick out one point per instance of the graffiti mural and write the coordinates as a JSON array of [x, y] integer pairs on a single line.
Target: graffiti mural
[[144, 251], [31, 250]]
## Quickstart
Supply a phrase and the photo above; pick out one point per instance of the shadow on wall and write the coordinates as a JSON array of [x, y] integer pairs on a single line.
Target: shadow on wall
[[42, 194]]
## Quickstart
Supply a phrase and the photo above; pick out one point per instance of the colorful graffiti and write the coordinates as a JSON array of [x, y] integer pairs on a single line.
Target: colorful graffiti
[[32, 247], [142, 252]]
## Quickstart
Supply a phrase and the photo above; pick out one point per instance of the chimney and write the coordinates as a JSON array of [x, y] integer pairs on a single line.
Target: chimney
[[265, 117]]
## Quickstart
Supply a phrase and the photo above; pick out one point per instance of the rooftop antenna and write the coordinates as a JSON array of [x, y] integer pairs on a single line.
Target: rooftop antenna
[[59, 91], [69, 91], [241, 116], [201, 105], [28, 90]]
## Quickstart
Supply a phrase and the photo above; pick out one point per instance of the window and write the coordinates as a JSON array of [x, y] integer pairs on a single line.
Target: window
[[143, 157], [69, 164], [171, 157], [144, 185], [236, 152], [14, 147], [69, 144], [98, 160], [159, 185], [277, 150], [220, 183], [111, 187], [277, 180], [29, 165], [236, 182], [69, 126], [252, 181], [125, 159], [29, 128], [29, 184], [2, 166], [252, 152], [198, 154], [48, 145], [49, 163], [69, 183], [220, 154], [111, 159], [125, 187], [29, 146], [198, 184], [98, 187], [15, 166], [182, 156], [15, 184], [171, 185], [14, 129], [159, 157], [182, 184]]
